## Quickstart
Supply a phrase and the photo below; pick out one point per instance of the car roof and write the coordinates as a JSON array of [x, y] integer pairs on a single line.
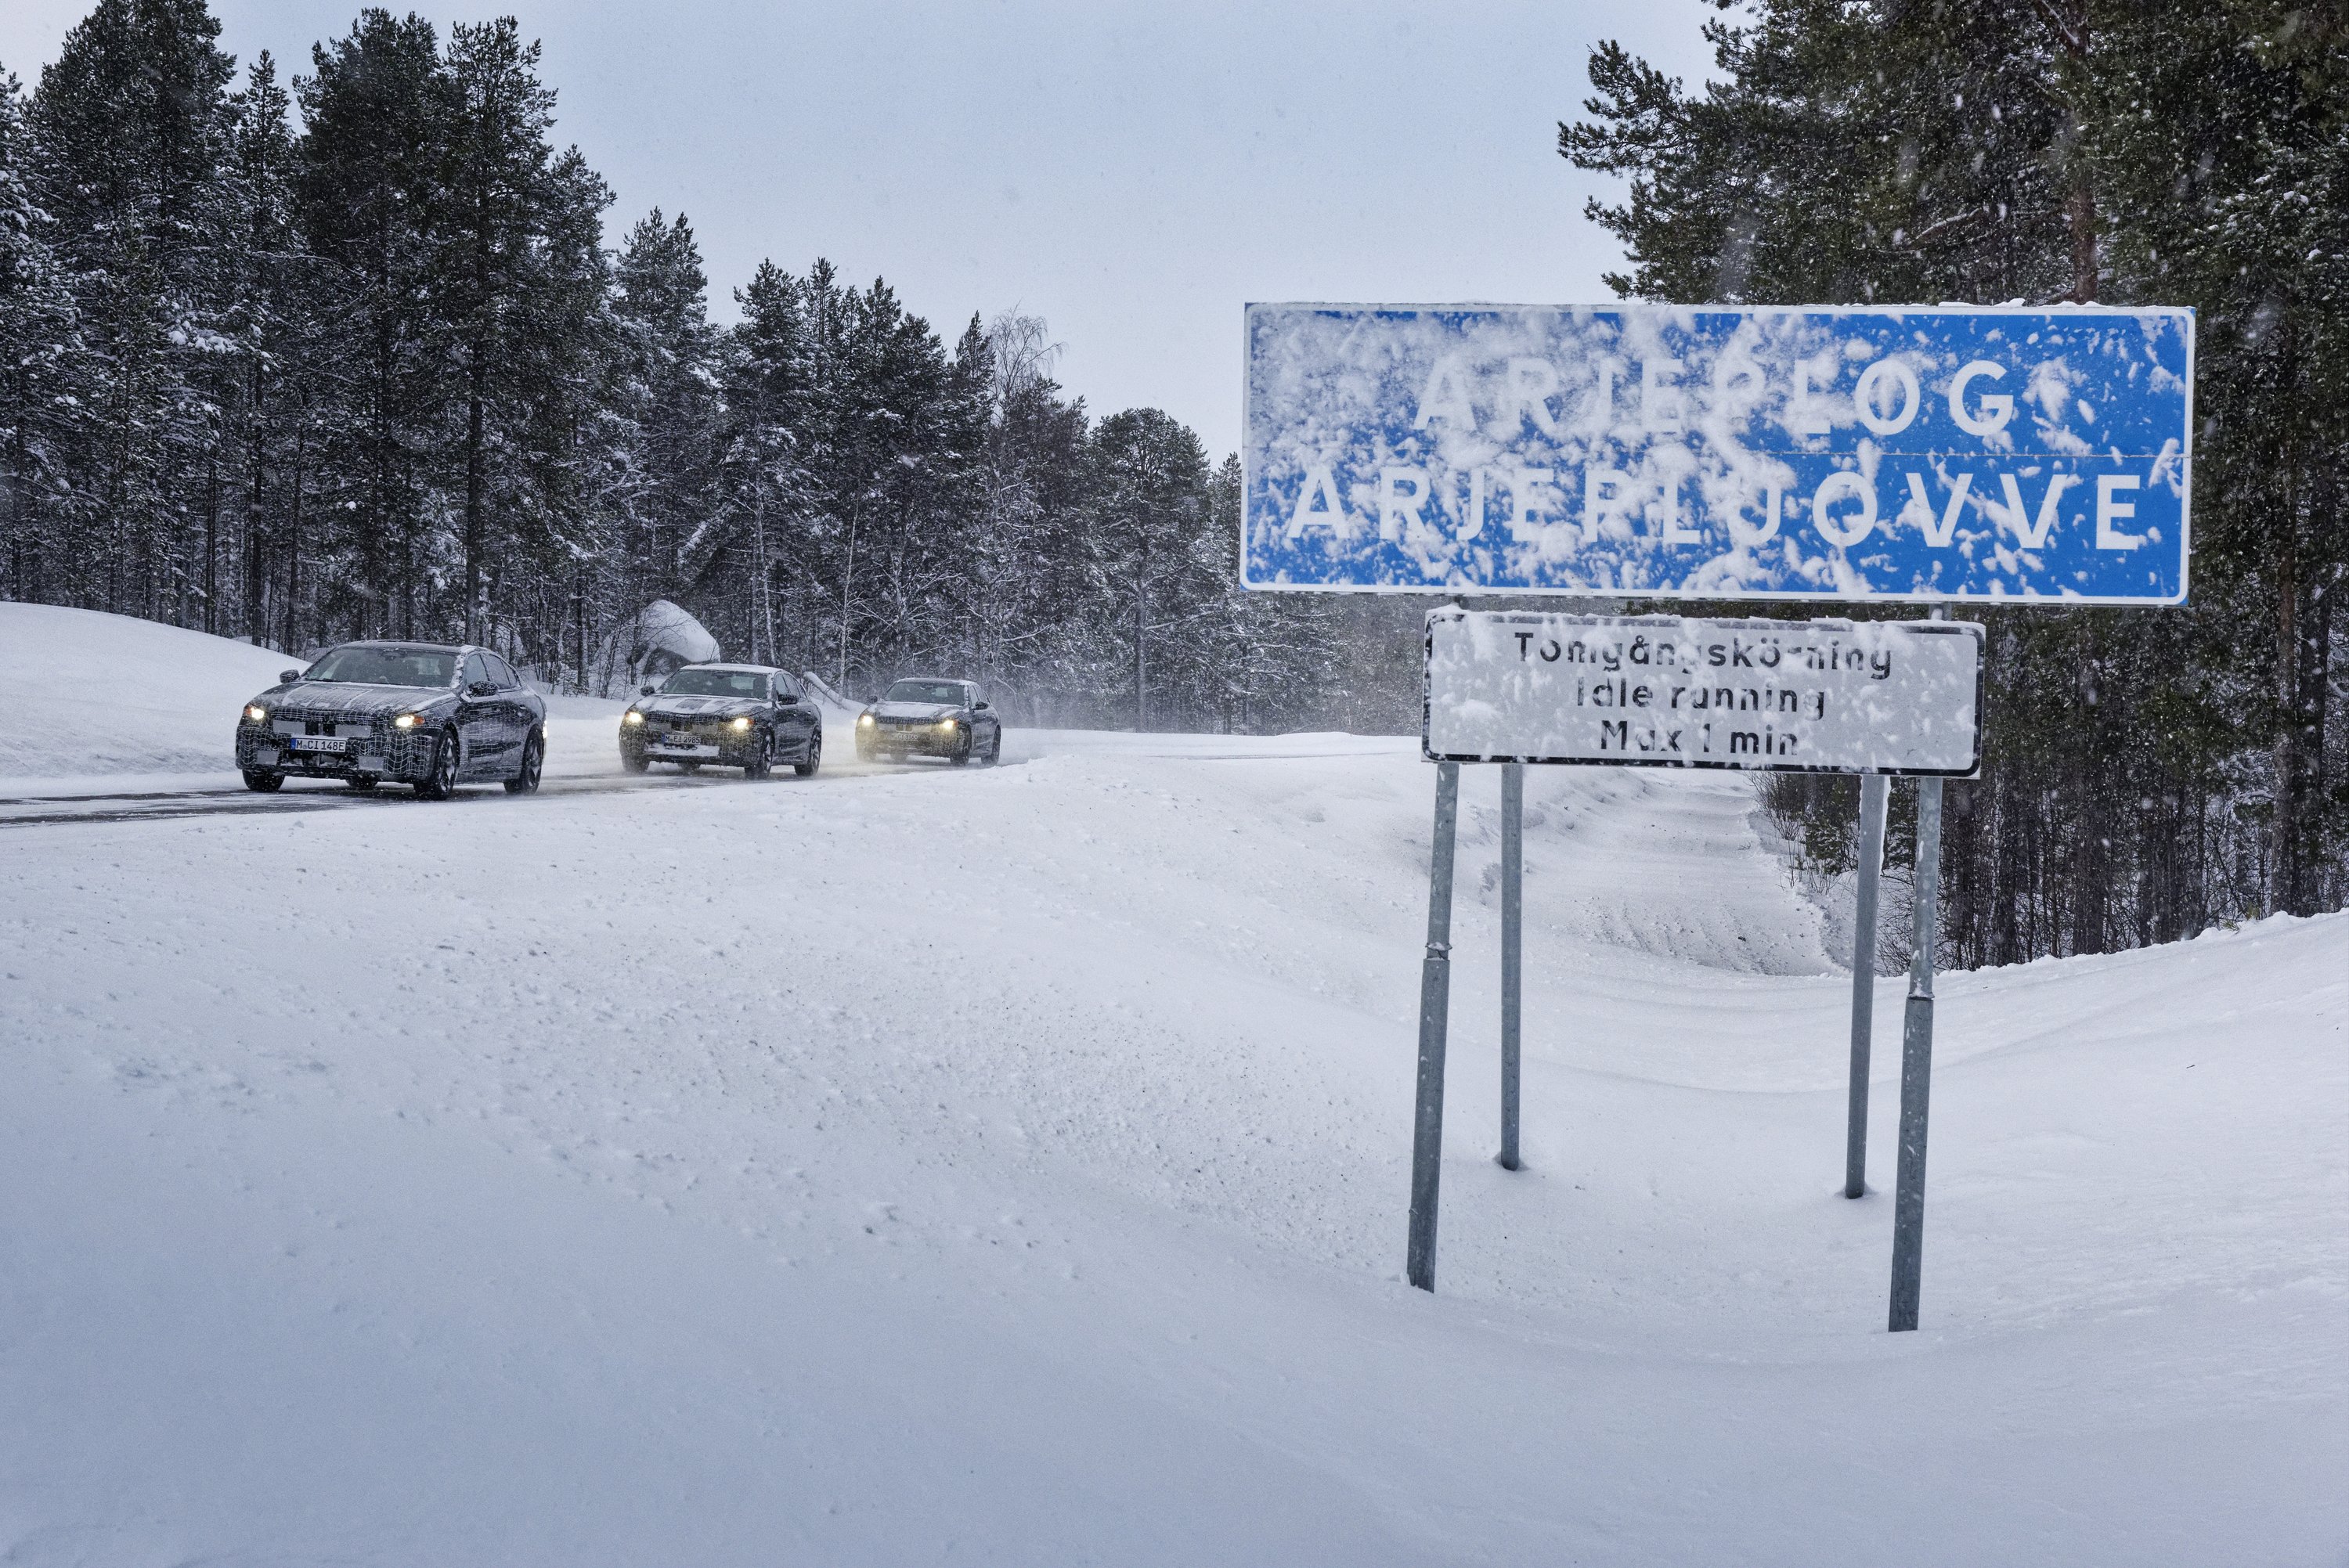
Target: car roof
[[734, 669], [942, 680], [408, 643]]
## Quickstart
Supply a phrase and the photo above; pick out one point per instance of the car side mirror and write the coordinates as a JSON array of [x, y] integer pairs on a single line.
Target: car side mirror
[[644, 691], [483, 689], [787, 701], [288, 677], [978, 707]]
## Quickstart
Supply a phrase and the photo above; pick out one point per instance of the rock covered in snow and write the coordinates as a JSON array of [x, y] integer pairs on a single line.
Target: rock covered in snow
[[661, 637]]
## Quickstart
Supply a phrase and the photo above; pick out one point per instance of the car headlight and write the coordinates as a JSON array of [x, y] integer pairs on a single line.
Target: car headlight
[[632, 716], [256, 713], [865, 720], [946, 723], [408, 721], [739, 724]]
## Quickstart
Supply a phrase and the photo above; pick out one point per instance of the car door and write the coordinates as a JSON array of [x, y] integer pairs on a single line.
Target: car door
[[480, 732], [796, 717], [513, 711], [986, 728]]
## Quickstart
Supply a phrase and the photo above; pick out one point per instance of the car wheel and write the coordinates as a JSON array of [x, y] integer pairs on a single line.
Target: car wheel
[[261, 781], [634, 761], [961, 753], [995, 747], [814, 756], [761, 761], [441, 782], [533, 763], [690, 767], [364, 783]]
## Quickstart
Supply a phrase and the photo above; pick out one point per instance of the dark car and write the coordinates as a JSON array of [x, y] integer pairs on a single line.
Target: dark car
[[428, 714], [729, 716], [928, 718]]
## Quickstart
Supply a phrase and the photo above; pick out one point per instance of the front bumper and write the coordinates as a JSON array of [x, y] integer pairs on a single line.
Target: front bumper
[[717, 744], [401, 754], [912, 739]]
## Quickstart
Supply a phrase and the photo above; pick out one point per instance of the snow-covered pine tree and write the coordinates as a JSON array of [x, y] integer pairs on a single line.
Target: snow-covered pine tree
[[270, 316], [766, 382], [40, 362], [130, 126], [498, 203], [376, 111], [669, 405], [1152, 501]]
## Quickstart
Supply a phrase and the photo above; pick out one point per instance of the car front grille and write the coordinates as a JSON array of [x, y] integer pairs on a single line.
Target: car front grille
[[297, 721]]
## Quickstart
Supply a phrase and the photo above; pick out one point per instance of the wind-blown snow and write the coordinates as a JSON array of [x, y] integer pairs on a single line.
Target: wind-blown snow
[[1008, 1166]]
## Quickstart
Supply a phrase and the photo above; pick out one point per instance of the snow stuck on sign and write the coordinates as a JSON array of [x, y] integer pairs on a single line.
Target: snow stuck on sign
[[1659, 691], [1668, 451]]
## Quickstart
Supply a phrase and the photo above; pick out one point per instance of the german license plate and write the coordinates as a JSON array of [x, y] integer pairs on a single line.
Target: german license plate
[[318, 742]]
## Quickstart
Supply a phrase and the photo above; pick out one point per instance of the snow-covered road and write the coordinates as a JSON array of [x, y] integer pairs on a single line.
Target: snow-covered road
[[582, 759], [1008, 1166]]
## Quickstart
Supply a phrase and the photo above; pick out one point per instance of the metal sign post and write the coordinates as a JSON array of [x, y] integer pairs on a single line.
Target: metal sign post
[[1917, 1069], [1875, 794], [1512, 910], [1434, 1019], [1656, 691]]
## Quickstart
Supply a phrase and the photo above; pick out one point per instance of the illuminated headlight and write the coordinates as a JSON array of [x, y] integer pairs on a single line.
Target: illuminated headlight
[[865, 720], [257, 713], [946, 723], [408, 721], [632, 716], [741, 724]]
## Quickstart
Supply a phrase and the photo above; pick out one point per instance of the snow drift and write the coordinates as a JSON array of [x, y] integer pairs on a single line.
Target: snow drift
[[89, 694]]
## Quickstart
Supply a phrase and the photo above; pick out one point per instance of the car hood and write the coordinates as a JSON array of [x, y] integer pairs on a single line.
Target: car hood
[[696, 706], [334, 696], [929, 711]]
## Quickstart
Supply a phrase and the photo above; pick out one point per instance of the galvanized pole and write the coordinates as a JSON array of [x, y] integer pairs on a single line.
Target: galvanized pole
[[1513, 914], [1917, 1069], [1875, 791], [1435, 1008]]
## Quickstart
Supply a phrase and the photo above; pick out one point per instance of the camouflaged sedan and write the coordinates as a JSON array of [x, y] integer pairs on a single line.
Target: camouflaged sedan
[[927, 718], [726, 715], [430, 715]]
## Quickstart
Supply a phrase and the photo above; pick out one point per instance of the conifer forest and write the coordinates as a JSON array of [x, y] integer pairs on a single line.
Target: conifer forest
[[360, 350], [2147, 772]]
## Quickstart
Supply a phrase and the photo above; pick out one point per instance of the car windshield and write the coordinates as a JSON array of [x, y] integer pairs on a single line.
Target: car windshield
[[926, 691], [362, 665], [715, 683]]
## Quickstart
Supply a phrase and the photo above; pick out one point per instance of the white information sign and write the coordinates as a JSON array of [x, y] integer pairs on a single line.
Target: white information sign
[[1823, 697]]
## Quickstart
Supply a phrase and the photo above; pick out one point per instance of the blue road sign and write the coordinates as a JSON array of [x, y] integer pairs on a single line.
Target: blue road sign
[[1660, 451]]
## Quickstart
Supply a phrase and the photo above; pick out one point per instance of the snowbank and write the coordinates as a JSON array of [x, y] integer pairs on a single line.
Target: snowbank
[[83, 693]]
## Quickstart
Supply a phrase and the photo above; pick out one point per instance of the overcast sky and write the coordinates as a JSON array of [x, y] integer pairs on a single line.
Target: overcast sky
[[1132, 174]]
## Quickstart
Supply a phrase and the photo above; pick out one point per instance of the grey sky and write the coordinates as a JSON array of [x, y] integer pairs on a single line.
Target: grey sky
[[1133, 174]]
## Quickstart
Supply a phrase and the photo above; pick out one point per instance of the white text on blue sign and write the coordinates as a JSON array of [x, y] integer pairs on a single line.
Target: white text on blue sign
[[1662, 451]]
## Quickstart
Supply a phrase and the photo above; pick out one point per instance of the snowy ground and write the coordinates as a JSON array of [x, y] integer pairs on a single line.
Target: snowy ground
[[1008, 1166]]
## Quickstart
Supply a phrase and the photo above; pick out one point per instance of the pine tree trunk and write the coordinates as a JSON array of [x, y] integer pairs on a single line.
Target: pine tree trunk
[[1141, 635], [476, 461]]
